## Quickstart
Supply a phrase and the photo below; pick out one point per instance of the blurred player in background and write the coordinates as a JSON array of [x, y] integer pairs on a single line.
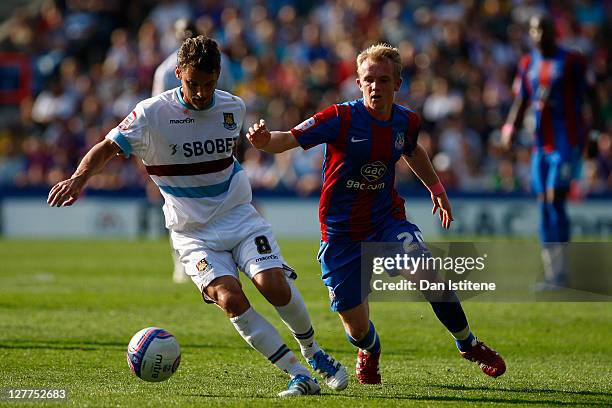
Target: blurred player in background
[[364, 140], [165, 78], [185, 137], [550, 89]]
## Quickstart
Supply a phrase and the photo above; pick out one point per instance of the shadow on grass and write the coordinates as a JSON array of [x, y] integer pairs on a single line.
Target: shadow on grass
[[231, 397], [447, 398], [522, 390], [520, 401], [441, 398]]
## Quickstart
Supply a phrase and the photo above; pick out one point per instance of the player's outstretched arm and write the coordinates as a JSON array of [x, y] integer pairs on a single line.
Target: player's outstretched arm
[[271, 142], [513, 122], [420, 165], [66, 192]]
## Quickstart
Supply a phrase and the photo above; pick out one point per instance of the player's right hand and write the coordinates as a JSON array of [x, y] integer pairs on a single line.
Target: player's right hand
[[259, 135], [66, 192]]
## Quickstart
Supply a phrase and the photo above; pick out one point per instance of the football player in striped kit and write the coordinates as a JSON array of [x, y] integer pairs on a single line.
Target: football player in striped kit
[[551, 85], [364, 139], [185, 137]]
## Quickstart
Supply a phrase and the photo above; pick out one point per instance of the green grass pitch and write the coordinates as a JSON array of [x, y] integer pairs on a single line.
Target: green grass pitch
[[69, 308]]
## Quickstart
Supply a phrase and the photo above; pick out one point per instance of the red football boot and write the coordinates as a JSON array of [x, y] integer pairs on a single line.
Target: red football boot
[[367, 367], [489, 360]]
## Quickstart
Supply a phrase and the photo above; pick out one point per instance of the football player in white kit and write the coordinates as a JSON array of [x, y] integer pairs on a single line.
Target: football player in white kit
[[164, 79], [184, 137]]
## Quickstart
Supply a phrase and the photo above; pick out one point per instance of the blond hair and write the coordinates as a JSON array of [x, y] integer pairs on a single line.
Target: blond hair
[[379, 52]]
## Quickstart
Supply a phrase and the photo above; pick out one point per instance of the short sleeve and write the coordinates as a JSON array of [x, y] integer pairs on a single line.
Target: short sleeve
[[412, 134], [132, 134], [242, 112], [323, 127]]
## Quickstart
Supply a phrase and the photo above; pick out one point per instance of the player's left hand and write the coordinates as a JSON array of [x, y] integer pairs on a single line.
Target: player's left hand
[[441, 202], [259, 135]]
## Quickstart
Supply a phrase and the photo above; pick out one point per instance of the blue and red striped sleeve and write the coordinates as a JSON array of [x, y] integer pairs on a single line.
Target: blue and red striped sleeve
[[323, 127], [521, 85], [412, 135]]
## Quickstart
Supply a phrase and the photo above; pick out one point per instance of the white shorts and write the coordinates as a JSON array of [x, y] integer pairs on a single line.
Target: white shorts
[[240, 238]]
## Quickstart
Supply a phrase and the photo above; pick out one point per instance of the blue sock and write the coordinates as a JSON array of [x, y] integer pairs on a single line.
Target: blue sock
[[370, 342], [450, 313], [465, 345], [546, 233], [559, 221]]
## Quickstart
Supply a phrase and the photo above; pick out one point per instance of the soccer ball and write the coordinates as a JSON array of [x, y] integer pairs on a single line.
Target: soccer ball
[[153, 354]]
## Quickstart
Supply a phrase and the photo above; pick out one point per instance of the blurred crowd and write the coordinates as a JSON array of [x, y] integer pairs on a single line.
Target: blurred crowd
[[93, 60]]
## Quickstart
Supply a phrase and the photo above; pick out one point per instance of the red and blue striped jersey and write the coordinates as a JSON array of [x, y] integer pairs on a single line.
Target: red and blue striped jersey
[[358, 191], [555, 88]]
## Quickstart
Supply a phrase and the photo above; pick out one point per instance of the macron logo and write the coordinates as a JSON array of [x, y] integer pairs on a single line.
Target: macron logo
[[181, 121]]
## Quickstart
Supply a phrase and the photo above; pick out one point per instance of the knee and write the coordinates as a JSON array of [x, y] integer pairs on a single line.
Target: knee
[[230, 298], [273, 286], [233, 303]]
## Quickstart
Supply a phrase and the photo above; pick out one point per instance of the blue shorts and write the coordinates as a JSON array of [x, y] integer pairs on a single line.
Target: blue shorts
[[552, 170], [341, 263]]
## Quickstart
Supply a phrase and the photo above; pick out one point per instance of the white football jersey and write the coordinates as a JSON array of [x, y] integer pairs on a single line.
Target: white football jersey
[[188, 154]]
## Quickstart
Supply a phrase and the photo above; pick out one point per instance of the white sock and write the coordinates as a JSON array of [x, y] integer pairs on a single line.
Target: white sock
[[263, 337], [463, 334], [296, 317], [548, 262]]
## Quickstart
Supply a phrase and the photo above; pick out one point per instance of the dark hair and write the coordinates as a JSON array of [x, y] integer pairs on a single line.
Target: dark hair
[[201, 53]]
